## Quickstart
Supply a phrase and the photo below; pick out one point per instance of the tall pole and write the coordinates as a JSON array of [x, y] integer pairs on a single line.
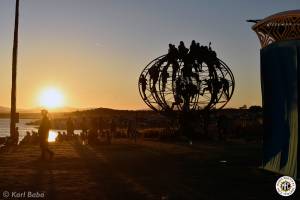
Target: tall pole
[[14, 74]]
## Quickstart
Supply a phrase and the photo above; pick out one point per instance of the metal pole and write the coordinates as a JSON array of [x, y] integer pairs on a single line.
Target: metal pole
[[14, 74]]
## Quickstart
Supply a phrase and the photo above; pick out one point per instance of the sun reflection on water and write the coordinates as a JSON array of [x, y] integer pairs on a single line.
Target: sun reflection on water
[[52, 136]]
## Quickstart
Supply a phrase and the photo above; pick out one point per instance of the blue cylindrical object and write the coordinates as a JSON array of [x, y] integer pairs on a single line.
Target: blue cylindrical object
[[280, 62]]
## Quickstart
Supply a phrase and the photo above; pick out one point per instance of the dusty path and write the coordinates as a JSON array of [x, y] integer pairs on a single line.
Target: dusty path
[[148, 170]]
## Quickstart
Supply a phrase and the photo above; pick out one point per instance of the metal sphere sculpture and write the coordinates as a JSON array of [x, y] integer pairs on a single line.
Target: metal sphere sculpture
[[186, 80]]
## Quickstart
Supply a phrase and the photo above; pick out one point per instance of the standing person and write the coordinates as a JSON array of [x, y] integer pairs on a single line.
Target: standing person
[[93, 132], [113, 129], [16, 137], [100, 126], [83, 126], [223, 125], [43, 135], [134, 132], [70, 128], [131, 130]]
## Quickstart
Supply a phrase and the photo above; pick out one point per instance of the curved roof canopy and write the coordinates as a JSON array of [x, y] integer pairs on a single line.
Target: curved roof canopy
[[278, 27]]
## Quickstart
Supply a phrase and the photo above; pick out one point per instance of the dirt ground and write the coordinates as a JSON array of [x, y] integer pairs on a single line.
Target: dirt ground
[[146, 170]]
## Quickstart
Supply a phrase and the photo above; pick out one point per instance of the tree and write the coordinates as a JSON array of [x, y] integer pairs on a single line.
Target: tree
[[255, 108]]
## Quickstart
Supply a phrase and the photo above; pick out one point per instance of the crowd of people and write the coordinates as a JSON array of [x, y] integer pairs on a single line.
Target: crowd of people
[[92, 131], [186, 76], [102, 131], [30, 138]]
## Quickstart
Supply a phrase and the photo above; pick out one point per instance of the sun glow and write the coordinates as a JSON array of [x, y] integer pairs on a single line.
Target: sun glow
[[51, 98]]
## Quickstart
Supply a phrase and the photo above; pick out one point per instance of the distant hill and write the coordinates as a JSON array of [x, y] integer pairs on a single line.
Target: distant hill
[[108, 111], [38, 109], [56, 110], [4, 109]]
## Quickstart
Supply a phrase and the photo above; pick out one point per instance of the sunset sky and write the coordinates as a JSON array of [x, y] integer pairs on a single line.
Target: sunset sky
[[94, 50]]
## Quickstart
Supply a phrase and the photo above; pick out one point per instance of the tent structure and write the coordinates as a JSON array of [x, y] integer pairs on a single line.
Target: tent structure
[[279, 36]]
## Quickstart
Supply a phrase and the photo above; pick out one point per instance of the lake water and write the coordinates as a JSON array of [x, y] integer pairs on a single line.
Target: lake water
[[5, 126], [23, 128]]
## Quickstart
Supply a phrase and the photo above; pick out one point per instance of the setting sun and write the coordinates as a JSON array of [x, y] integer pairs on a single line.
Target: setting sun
[[51, 98]]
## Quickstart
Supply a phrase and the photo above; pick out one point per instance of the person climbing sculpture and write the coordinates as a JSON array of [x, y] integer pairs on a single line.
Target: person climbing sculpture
[[208, 83], [193, 49], [217, 86], [186, 79], [225, 87], [164, 78], [172, 58], [182, 50], [143, 83], [154, 75], [177, 93]]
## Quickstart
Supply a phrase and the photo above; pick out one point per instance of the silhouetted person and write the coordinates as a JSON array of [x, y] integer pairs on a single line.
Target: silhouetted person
[[182, 50], [172, 57], [43, 135], [186, 94], [217, 85], [26, 139], [70, 127], [134, 134], [209, 86], [131, 130], [100, 125], [83, 126], [164, 78], [113, 129], [178, 93], [187, 70], [113, 126], [64, 136], [154, 75], [189, 63], [16, 136], [193, 49], [225, 86], [34, 138], [143, 82], [192, 90], [197, 65], [93, 132], [83, 137], [59, 137], [92, 136], [211, 56], [223, 124]]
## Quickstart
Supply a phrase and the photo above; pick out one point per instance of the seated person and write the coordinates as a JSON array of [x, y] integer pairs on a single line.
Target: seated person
[[26, 139], [59, 137]]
